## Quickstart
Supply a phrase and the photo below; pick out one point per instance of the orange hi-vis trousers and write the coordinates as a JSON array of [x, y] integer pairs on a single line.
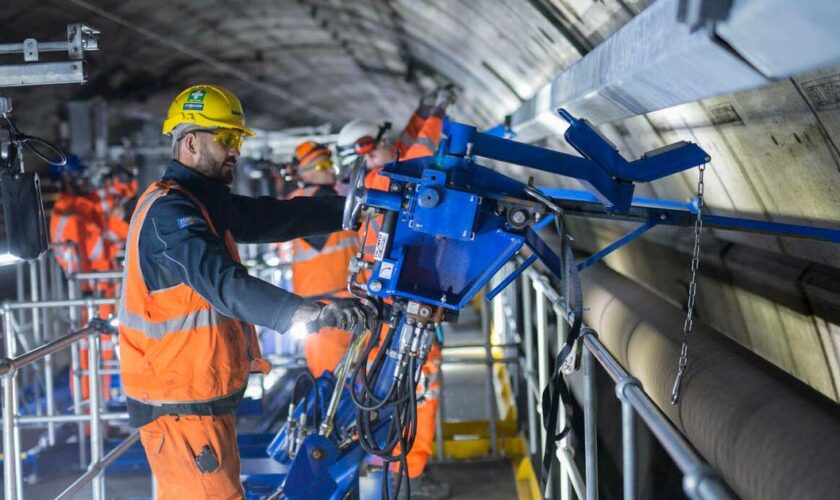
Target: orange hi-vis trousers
[[173, 444]]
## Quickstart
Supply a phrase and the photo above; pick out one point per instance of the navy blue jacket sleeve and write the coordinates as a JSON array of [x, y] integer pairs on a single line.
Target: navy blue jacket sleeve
[[265, 219], [177, 245]]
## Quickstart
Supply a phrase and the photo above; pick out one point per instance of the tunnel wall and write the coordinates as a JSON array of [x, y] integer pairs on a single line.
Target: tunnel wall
[[770, 435]]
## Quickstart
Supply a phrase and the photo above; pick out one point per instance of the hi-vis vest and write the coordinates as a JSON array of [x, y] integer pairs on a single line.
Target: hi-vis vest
[[175, 348], [76, 234], [317, 273]]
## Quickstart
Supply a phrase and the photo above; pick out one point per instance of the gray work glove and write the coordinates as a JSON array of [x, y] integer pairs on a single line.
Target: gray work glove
[[307, 312], [428, 100], [346, 314], [444, 98]]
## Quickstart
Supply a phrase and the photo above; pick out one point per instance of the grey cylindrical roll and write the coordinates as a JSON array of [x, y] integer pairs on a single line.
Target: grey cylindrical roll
[[769, 435]]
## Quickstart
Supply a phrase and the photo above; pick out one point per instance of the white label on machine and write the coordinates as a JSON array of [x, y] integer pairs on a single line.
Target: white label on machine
[[413, 308], [386, 270], [381, 243]]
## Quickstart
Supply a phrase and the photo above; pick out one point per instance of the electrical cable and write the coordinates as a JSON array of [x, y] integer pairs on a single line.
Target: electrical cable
[[27, 141], [316, 414], [398, 404]]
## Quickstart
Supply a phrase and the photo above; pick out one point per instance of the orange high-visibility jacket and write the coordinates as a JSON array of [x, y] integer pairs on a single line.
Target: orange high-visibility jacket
[[322, 272], [76, 233], [110, 196], [175, 348]]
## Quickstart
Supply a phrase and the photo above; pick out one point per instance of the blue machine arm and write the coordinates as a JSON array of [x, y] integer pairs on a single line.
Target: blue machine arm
[[449, 225]]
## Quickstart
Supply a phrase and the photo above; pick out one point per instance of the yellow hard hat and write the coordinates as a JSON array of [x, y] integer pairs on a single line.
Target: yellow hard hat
[[207, 106]]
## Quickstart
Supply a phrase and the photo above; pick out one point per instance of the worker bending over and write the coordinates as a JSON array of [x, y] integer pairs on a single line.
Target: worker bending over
[[187, 343], [419, 138], [320, 263]]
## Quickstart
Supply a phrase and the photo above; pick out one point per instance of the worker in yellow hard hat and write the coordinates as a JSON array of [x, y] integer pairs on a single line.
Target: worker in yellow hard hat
[[187, 343]]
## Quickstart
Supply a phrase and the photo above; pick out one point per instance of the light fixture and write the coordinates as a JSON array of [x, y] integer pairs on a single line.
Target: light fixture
[[7, 258], [298, 331]]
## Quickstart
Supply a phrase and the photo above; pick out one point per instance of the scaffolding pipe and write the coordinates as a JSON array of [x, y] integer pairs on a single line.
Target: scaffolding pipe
[[590, 423], [61, 303], [9, 411], [97, 468]]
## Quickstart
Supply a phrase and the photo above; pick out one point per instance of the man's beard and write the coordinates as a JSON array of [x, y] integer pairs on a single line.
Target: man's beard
[[215, 169]]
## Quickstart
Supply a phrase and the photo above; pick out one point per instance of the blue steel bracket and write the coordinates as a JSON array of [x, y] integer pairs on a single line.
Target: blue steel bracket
[[546, 220], [602, 168], [675, 213], [309, 476], [510, 278], [653, 165], [627, 238]]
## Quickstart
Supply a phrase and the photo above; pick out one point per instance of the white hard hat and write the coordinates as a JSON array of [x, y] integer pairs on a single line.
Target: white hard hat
[[353, 132]]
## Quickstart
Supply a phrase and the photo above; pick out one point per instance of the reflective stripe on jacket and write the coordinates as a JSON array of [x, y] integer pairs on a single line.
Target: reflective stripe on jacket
[[175, 347], [77, 236], [319, 272]]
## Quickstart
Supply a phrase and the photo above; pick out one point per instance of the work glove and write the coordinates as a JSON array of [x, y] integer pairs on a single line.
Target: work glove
[[307, 313], [428, 100], [346, 314], [444, 97]]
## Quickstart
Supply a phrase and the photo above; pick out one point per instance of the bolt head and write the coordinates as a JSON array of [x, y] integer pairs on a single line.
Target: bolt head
[[317, 453], [518, 217]]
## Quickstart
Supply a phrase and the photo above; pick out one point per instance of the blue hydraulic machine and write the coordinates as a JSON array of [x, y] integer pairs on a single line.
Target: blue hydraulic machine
[[448, 224]]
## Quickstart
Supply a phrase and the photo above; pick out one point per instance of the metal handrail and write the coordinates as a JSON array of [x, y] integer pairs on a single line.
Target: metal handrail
[[60, 303], [11, 365], [12, 422], [99, 275], [699, 479], [98, 467]]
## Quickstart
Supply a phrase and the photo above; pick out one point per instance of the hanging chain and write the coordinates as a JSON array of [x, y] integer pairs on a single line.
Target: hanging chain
[[692, 291]]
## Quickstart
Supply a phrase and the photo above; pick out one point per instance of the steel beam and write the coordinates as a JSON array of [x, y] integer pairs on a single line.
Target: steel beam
[[21, 75]]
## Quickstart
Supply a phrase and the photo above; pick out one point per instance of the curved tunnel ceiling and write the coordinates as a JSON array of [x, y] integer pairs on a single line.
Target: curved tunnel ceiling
[[303, 63], [310, 62]]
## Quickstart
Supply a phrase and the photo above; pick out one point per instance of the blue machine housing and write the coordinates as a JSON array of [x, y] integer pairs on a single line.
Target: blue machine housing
[[448, 241], [452, 233]]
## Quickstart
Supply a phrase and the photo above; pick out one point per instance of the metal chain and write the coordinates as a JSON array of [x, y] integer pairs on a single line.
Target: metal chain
[[692, 291]]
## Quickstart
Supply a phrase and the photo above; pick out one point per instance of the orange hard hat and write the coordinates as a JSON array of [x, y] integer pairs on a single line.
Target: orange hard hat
[[308, 151]]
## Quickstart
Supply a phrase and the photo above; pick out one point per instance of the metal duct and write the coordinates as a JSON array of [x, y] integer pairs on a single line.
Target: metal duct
[[770, 436], [656, 61]]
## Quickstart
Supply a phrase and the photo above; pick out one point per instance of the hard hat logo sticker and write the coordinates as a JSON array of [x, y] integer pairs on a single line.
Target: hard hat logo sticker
[[191, 106], [196, 96]]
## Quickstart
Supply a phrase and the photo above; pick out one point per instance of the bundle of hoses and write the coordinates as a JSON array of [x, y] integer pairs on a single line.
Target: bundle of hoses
[[399, 401]]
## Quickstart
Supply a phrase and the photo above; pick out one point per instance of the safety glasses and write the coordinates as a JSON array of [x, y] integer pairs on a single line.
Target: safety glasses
[[227, 137], [324, 165]]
